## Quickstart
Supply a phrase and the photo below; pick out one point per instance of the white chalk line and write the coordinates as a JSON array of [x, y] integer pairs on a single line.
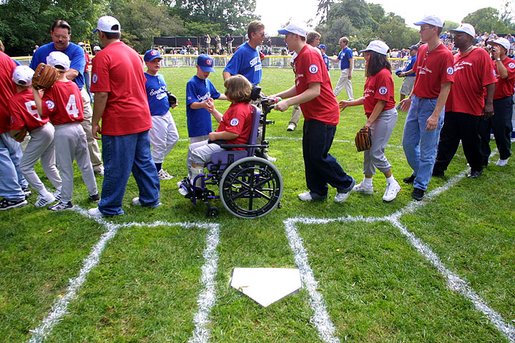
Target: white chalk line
[[321, 318], [205, 301]]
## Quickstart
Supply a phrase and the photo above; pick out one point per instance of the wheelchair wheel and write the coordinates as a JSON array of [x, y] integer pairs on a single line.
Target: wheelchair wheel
[[251, 187]]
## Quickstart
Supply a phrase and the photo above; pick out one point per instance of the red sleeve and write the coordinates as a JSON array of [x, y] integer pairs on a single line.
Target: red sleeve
[[384, 86], [100, 81]]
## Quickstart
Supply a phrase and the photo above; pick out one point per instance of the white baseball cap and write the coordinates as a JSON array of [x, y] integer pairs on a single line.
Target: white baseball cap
[[502, 42], [108, 24], [466, 28], [58, 59], [96, 48], [295, 28], [430, 20], [22, 75], [377, 46]]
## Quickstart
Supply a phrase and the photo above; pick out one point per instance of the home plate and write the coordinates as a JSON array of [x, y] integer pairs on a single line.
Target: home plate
[[266, 285]]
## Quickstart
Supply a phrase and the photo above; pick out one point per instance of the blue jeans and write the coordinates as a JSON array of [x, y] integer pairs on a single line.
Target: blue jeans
[[123, 155], [11, 180], [420, 145]]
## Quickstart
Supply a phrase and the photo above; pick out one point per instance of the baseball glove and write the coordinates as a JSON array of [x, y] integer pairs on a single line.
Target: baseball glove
[[172, 99], [44, 76], [363, 139]]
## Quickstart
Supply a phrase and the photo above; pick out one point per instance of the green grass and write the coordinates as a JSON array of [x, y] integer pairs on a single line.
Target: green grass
[[376, 286]]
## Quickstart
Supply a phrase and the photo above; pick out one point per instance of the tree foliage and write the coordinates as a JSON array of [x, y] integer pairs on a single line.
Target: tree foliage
[[486, 20]]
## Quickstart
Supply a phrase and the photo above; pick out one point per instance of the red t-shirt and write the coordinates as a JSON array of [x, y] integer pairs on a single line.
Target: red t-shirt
[[7, 90], [309, 68], [379, 87], [504, 87], [24, 113], [432, 69], [118, 70], [237, 119], [472, 73], [62, 103]]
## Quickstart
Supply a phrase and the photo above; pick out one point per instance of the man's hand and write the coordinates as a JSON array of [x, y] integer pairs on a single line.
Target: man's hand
[[282, 105], [432, 122], [344, 104], [489, 110], [405, 104], [96, 130]]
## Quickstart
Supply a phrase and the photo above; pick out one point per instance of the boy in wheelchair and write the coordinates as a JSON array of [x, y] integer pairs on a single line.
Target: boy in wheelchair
[[234, 128]]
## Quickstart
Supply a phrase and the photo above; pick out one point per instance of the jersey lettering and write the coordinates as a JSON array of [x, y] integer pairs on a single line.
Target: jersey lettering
[[71, 107]]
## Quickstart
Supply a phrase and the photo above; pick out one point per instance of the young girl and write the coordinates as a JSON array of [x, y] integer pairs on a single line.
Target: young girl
[[378, 101], [25, 117], [234, 128], [62, 103]]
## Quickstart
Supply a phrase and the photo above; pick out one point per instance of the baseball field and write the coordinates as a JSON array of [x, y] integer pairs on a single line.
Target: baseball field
[[440, 270]]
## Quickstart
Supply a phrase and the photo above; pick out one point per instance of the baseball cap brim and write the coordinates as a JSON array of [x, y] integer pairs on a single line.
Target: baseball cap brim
[[207, 69], [283, 32]]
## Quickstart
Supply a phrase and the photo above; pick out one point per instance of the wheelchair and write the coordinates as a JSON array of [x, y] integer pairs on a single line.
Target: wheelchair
[[249, 185]]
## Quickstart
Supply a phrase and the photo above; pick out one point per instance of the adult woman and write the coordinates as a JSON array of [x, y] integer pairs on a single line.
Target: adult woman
[[379, 104]]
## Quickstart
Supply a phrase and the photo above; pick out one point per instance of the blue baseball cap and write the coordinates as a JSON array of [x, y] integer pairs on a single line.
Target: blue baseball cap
[[322, 46], [151, 55], [206, 62]]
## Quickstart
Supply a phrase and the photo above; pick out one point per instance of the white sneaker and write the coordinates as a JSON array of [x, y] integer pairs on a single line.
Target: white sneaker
[[361, 188], [182, 188], [341, 197], [391, 191], [95, 212], [291, 127], [502, 163], [163, 175], [136, 202], [306, 196], [42, 201]]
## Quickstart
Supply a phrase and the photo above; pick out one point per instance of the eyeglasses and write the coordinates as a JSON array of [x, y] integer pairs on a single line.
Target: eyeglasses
[[423, 28]]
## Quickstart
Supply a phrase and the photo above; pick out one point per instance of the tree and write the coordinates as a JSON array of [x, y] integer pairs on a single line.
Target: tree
[[486, 20]]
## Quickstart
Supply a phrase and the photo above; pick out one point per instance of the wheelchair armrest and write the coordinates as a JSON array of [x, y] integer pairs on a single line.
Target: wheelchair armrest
[[233, 146]]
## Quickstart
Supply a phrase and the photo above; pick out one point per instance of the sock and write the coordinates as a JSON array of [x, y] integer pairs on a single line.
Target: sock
[[367, 182], [390, 180], [158, 166]]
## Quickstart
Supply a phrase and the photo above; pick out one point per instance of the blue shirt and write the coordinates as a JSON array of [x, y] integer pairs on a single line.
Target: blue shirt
[[326, 60], [74, 52], [344, 56], [199, 120], [156, 94], [410, 65], [246, 62]]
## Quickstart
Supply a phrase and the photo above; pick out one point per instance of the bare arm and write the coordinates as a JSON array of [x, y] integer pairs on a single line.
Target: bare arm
[[351, 67], [98, 110], [71, 74], [309, 94], [349, 103], [37, 99], [378, 108], [489, 102], [213, 136], [226, 75]]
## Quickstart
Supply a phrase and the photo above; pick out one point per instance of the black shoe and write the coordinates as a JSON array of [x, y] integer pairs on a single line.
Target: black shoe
[[8, 204], [409, 179], [94, 197], [437, 173], [417, 194], [474, 174], [61, 206]]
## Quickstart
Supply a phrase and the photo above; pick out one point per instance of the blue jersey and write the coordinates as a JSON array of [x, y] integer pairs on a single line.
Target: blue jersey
[[246, 62], [410, 65], [344, 56], [74, 52], [156, 94], [199, 120], [326, 60]]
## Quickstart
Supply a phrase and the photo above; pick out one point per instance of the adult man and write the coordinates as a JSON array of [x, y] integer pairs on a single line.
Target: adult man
[[346, 59], [11, 180], [313, 91], [408, 73], [500, 123], [61, 36], [121, 102], [426, 104], [466, 105]]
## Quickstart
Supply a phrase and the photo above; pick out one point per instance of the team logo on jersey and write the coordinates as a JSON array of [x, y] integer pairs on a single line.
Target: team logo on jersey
[[313, 69], [511, 65], [383, 90], [94, 78], [50, 104], [450, 70], [234, 121]]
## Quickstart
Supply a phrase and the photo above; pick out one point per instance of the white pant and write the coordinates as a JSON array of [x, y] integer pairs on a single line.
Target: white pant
[[94, 151], [344, 82], [163, 136]]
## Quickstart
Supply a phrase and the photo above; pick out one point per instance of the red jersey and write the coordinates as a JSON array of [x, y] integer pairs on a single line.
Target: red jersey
[[309, 68], [118, 70], [472, 73], [24, 113], [62, 103], [432, 69], [504, 87], [7, 90], [379, 87], [237, 119]]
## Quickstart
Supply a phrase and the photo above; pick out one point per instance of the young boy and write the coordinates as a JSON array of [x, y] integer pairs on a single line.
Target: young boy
[[25, 117], [163, 134], [62, 103]]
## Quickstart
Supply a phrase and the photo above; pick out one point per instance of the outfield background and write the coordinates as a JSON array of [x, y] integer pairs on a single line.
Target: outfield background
[[375, 286]]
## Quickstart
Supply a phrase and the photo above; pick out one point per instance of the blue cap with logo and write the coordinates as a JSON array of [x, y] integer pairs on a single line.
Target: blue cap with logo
[[151, 55], [206, 62], [322, 46]]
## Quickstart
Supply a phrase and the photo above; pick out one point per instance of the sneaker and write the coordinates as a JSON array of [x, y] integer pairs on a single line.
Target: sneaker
[[136, 202], [474, 174], [269, 158], [309, 196], [409, 179], [341, 197], [26, 191], [163, 175], [502, 163], [60, 206], [8, 204], [94, 197], [57, 195], [291, 127], [417, 194], [42, 201], [361, 188], [95, 212], [391, 191], [183, 187]]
